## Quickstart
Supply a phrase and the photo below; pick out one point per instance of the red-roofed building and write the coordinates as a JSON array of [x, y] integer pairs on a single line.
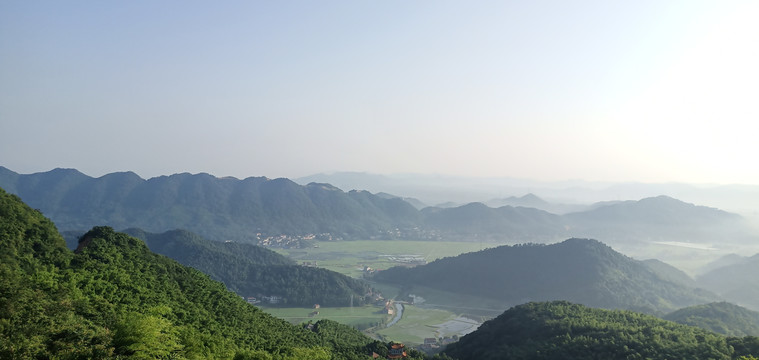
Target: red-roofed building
[[396, 351]]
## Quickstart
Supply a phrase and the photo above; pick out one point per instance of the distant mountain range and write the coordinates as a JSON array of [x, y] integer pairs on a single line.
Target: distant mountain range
[[577, 270], [259, 210], [569, 195]]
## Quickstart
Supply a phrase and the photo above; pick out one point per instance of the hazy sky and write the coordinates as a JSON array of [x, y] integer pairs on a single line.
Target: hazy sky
[[549, 90]]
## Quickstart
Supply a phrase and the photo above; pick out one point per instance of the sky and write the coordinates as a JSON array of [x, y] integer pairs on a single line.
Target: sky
[[646, 91]]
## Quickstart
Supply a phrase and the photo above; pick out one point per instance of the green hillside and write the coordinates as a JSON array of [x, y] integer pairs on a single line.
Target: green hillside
[[114, 298], [721, 317], [578, 270], [251, 270], [561, 330]]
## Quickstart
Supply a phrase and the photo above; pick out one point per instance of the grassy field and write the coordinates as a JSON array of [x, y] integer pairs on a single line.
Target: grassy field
[[350, 257], [358, 317], [474, 307]]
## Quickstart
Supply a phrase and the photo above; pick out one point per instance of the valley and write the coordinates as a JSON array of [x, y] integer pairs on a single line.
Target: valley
[[446, 315]]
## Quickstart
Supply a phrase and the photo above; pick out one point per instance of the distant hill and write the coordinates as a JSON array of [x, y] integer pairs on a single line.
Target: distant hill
[[533, 201], [114, 298], [528, 200], [726, 260], [561, 330], [659, 218], [737, 283], [414, 202], [721, 317], [578, 270], [476, 221], [670, 273], [251, 270]]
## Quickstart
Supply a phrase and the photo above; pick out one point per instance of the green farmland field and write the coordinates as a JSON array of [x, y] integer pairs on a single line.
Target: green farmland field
[[358, 317], [350, 257]]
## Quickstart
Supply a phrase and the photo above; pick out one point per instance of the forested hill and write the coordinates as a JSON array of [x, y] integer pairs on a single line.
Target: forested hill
[[578, 270], [251, 270], [113, 298], [216, 208], [720, 317], [561, 330]]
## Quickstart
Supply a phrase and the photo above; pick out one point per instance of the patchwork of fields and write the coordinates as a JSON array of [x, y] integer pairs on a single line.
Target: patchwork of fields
[[440, 315]]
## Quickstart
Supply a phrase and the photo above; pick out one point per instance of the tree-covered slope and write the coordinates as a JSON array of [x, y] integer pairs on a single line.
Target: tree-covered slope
[[720, 317], [578, 270], [113, 297], [562, 330], [251, 270]]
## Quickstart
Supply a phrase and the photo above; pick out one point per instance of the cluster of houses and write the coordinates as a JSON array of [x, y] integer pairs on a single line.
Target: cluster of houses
[[433, 344], [268, 299], [293, 241]]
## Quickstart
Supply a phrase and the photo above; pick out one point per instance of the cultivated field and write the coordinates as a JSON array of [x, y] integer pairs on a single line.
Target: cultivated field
[[359, 317], [351, 257]]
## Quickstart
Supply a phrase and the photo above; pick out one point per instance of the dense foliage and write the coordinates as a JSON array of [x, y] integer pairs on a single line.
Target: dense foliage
[[251, 270], [720, 317], [113, 297], [578, 270], [561, 330]]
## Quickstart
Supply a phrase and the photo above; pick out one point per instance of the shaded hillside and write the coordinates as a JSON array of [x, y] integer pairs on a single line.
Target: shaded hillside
[[216, 208], [670, 273], [561, 330], [115, 298], [578, 270], [721, 317], [477, 221], [737, 283], [251, 270], [726, 260], [660, 218]]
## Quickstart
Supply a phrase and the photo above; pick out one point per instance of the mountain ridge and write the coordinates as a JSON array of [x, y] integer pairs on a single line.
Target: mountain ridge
[[255, 209]]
